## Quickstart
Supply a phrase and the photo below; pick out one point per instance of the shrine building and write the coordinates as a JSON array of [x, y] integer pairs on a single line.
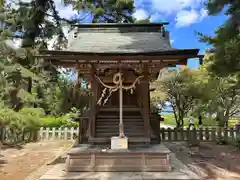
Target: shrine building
[[119, 61]]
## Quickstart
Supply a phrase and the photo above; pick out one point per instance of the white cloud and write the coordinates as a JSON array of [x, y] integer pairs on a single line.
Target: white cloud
[[186, 17], [156, 17], [203, 14], [64, 11], [171, 6], [140, 14], [185, 12], [172, 41]]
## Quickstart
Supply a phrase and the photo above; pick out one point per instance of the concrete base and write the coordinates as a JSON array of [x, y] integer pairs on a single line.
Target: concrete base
[[119, 143], [180, 172], [139, 159]]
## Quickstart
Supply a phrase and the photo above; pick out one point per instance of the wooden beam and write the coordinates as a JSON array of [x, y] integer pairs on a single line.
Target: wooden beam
[[150, 65], [115, 59]]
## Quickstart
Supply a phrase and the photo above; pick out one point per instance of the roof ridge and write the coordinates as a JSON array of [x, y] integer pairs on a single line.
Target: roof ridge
[[112, 25]]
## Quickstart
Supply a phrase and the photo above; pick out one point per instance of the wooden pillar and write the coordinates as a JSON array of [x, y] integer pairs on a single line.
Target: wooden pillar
[[139, 95], [94, 87], [145, 101]]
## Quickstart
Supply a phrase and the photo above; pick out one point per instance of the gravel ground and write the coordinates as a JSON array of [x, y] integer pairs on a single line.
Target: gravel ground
[[29, 162]]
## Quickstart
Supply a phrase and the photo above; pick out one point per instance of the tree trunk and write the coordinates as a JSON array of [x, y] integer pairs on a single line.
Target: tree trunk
[[29, 85], [181, 118], [176, 117], [2, 134], [178, 124], [226, 118], [220, 118]]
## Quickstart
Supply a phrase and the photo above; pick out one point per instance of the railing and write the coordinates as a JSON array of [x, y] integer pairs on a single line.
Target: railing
[[204, 134], [58, 133]]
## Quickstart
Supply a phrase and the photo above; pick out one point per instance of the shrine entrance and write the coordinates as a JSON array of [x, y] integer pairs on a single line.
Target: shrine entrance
[[129, 99]]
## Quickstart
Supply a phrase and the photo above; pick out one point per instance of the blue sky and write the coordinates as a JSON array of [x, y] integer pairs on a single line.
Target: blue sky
[[185, 17]]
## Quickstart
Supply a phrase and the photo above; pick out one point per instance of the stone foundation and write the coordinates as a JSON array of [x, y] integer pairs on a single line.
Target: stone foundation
[[94, 158]]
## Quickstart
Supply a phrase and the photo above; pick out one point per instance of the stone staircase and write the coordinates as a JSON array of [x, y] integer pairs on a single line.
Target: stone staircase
[[107, 125]]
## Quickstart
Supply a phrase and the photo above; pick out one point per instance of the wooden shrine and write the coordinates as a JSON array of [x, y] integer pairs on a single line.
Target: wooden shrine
[[118, 61]]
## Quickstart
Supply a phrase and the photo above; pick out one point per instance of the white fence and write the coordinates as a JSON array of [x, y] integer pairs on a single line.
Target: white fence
[[58, 133], [203, 134]]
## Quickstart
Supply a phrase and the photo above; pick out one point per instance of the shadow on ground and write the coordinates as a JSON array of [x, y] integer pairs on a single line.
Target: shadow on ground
[[58, 160], [210, 161], [11, 146], [2, 162]]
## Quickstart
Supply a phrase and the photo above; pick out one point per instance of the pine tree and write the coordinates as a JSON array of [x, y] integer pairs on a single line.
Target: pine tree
[[105, 11], [25, 78], [226, 42]]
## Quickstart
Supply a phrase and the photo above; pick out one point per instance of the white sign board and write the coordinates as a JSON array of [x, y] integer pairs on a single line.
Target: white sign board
[[119, 143]]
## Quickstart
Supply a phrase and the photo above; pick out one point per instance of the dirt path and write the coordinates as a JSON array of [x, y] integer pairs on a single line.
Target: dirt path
[[210, 161], [18, 164]]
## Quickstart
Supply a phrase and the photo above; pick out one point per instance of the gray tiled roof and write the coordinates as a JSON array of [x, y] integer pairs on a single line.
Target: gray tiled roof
[[132, 40]]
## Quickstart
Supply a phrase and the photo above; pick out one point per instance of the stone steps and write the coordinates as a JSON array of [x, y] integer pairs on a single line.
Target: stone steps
[[107, 123]]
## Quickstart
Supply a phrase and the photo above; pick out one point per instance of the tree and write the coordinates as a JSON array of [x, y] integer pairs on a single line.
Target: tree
[[224, 60], [226, 43], [223, 93], [108, 11], [182, 91], [25, 81]]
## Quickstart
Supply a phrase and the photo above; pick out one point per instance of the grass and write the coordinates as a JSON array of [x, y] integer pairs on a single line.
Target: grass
[[170, 120]]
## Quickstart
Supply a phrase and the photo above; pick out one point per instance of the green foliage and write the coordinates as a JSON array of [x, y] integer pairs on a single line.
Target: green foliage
[[182, 90], [9, 117], [17, 124], [169, 119], [31, 117], [108, 11], [29, 88], [62, 121], [222, 94], [226, 43], [198, 92]]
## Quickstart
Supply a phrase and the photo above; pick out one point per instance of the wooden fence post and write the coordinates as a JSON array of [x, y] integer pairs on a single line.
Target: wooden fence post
[[47, 133], [163, 134], [231, 133], [65, 133], [175, 134], [53, 133], [72, 133], [200, 134], [225, 134], [206, 134], [213, 134], [41, 134], [219, 133], [181, 134], [60, 133], [169, 134]]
